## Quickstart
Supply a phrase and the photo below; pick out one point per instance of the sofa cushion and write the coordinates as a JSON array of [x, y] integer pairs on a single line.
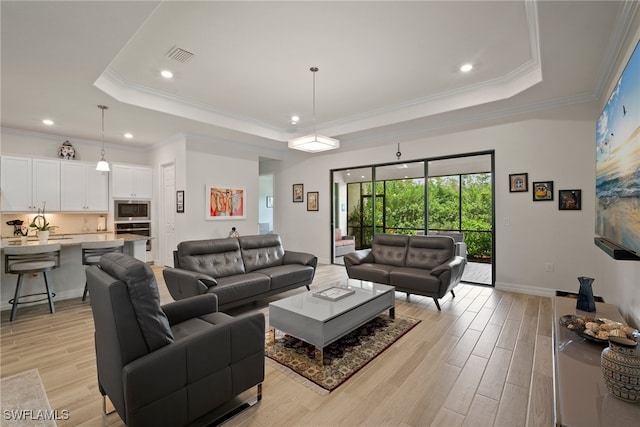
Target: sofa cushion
[[241, 286], [214, 257], [417, 279], [261, 251], [389, 249], [378, 273], [144, 295], [288, 274], [429, 252]]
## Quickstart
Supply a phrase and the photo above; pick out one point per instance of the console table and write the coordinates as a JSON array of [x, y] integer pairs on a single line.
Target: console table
[[581, 395]]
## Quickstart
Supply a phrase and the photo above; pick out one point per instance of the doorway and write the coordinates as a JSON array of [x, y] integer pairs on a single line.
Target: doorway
[[167, 234]]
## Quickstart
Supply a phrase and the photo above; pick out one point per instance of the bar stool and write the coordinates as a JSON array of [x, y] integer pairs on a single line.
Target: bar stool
[[23, 260], [93, 251]]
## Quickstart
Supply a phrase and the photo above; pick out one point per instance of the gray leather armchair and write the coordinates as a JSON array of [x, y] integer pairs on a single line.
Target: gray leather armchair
[[172, 365]]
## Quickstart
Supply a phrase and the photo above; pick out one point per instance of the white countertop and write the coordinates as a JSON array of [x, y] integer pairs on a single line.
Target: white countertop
[[74, 239]]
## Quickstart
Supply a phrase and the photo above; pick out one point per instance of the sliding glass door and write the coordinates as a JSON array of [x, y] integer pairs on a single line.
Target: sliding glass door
[[445, 195]]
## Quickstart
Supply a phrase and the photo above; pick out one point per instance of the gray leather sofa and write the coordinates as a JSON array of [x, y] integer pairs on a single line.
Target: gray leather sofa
[[421, 265], [237, 270], [174, 365]]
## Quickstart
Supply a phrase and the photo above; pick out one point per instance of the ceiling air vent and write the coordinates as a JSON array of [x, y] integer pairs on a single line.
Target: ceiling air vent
[[179, 55]]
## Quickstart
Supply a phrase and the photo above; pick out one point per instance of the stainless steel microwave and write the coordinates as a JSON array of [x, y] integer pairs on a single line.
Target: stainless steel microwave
[[132, 210]]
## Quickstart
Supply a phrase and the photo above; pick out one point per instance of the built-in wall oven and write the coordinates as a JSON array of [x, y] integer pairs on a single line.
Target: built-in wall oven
[[133, 217], [140, 228]]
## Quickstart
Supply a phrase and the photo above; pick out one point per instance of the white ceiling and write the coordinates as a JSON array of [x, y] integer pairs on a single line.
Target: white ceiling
[[388, 71]]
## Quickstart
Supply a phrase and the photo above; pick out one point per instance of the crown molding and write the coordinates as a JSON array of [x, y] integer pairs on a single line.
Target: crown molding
[[131, 93]]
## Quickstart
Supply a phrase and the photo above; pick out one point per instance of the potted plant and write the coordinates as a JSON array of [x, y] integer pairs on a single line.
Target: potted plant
[[41, 225]]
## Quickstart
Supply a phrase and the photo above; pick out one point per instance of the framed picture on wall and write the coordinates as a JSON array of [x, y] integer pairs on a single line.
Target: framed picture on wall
[[298, 193], [570, 200], [312, 201], [180, 201], [518, 182], [542, 191], [224, 202]]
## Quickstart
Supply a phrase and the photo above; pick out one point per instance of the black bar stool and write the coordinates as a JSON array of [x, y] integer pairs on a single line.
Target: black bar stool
[[93, 251], [23, 260]]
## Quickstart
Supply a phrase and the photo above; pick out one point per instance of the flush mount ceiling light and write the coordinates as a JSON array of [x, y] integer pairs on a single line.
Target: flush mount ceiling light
[[314, 143], [103, 165], [466, 68]]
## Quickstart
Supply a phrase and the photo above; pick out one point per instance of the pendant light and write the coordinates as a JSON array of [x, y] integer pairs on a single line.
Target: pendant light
[[314, 143], [103, 165]]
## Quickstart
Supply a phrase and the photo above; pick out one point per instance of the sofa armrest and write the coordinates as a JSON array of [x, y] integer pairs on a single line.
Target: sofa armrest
[[358, 257], [184, 283], [293, 257], [453, 264], [191, 307], [187, 361]]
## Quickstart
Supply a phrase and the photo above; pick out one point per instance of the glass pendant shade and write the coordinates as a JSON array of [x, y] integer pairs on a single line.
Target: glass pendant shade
[[314, 143], [103, 166]]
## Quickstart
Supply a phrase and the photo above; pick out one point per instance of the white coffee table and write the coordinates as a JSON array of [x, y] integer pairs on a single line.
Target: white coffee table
[[320, 322]]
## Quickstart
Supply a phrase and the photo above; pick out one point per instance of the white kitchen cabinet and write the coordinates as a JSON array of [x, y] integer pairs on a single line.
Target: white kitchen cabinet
[[28, 183], [131, 182], [84, 189]]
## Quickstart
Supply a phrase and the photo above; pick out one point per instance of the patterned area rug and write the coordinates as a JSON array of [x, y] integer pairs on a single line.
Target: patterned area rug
[[344, 357], [24, 401]]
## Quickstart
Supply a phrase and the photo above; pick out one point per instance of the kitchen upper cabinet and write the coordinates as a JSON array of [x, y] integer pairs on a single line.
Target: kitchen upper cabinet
[[84, 189], [131, 182], [28, 183]]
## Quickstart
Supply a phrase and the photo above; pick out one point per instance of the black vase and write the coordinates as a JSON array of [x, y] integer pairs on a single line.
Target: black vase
[[586, 302]]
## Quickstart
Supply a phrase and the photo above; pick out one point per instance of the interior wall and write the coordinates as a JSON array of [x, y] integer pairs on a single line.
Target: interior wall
[[211, 165], [529, 235]]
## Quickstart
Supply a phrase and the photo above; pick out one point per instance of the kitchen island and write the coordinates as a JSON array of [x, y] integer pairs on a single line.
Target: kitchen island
[[68, 280]]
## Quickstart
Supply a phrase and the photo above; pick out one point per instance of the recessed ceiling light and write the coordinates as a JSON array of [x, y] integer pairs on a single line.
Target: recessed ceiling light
[[466, 68], [295, 119], [48, 122], [128, 135], [166, 74]]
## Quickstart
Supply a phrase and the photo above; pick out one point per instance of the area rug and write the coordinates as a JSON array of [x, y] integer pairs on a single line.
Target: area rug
[[24, 401], [341, 359]]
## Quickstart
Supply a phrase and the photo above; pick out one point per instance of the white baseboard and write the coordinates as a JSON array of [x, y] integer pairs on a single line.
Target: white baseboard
[[525, 289]]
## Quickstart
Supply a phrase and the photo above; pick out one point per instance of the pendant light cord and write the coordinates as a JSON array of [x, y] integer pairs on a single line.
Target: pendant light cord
[[314, 70], [103, 107]]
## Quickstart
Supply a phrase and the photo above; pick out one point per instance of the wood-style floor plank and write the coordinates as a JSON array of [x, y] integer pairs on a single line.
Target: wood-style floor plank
[[484, 360]]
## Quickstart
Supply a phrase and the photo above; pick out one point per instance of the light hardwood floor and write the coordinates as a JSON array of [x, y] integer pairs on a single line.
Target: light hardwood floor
[[484, 360]]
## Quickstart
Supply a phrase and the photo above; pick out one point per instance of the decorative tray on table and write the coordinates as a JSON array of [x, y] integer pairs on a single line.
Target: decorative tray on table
[[334, 293], [596, 330]]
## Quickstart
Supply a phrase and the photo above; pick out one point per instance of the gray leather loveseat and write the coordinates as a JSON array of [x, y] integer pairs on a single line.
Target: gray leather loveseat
[[180, 364], [237, 270], [421, 265]]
